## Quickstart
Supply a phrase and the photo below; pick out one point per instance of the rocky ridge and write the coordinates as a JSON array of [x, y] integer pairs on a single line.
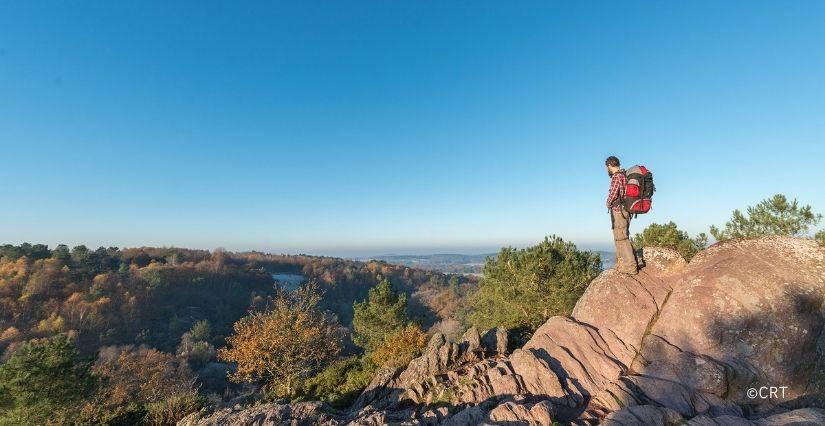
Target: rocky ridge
[[677, 343]]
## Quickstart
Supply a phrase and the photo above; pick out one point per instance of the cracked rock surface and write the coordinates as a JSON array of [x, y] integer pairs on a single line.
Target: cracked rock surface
[[678, 343]]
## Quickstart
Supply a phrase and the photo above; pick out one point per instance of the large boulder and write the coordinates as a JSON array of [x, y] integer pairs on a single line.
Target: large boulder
[[742, 314], [625, 304], [754, 305]]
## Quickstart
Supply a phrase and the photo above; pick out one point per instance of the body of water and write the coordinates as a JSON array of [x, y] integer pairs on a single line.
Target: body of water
[[289, 281]]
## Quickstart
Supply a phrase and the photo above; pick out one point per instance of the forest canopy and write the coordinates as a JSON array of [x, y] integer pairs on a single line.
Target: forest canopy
[[142, 326]]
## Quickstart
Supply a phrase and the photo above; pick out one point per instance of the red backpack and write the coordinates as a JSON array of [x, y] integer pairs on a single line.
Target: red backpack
[[638, 196]]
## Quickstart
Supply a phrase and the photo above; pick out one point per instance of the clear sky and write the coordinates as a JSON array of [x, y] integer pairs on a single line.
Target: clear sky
[[388, 126]]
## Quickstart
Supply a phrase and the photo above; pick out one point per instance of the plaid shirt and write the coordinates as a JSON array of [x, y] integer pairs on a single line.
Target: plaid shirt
[[618, 182]]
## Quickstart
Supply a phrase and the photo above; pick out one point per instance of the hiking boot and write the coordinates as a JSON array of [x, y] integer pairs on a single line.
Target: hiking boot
[[640, 258]]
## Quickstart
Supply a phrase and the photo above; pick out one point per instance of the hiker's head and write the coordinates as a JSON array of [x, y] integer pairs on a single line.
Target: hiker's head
[[613, 165]]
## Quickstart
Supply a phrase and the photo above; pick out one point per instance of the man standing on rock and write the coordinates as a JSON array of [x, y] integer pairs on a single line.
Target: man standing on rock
[[626, 261]]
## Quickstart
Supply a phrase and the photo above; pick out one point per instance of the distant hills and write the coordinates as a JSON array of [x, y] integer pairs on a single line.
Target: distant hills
[[447, 263], [452, 263]]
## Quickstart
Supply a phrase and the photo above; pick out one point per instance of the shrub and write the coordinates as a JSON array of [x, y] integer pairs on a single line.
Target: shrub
[[773, 216], [172, 409], [341, 382], [668, 235], [451, 328], [523, 288], [400, 347], [202, 353], [197, 352], [100, 414], [820, 237]]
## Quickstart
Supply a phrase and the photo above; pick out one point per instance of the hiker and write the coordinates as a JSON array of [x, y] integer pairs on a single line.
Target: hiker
[[626, 261]]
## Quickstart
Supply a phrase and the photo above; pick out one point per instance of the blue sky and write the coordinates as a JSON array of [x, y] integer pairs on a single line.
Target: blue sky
[[375, 127]]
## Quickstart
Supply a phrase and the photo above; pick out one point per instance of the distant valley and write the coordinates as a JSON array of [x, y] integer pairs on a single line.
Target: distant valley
[[467, 264]]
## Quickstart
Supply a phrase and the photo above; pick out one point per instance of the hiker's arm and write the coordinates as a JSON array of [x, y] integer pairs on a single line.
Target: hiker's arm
[[614, 191]]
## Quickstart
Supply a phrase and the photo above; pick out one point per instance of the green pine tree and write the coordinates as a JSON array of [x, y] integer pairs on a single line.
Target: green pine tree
[[521, 289], [773, 216], [669, 235], [201, 331], [380, 315], [44, 381]]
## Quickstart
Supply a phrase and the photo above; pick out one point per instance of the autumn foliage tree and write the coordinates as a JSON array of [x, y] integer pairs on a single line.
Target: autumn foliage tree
[[285, 343], [141, 385], [141, 374]]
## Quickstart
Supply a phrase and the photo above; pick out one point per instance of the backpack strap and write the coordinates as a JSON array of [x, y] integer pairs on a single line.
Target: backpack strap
[[622, 193]]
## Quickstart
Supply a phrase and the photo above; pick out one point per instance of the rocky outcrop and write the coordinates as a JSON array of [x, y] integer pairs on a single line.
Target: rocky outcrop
[[679, 342], [432, 376], [302, 413]]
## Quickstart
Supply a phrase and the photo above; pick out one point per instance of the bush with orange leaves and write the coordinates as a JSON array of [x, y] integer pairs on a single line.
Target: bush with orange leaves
[[342, 381], [400, 347], [285, 343]]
